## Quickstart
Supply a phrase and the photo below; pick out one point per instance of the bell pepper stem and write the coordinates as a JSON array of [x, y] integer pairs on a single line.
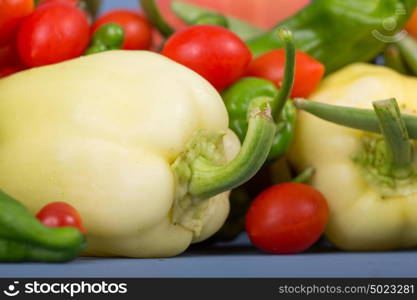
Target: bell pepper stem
[[399, 149], [285, 91], [154, 16], [209, 179], [357, 118]]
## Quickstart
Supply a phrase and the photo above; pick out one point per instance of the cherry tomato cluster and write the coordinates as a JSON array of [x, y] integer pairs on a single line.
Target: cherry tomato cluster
[[58, 30]]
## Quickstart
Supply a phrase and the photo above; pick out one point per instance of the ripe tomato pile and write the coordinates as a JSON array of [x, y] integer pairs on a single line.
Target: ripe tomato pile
[[58, 30]]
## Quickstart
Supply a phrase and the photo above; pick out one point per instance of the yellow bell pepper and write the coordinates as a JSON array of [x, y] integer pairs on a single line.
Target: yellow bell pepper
[[137, 143], [369, 179]]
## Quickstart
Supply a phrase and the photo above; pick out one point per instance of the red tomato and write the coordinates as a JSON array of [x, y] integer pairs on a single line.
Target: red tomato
[[412, 24], [60, 214], [9, 70], [74, 2], [214, 52], [264, 13], [308, 71], [138, 31], [8, 55], [12, 13], [53, 33], [287, 218]]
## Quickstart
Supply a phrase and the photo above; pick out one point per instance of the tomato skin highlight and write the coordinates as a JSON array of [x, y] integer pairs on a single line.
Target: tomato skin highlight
[[74, 2], [12, 13], [60, 214], [54, 32], [138, 31], [287, 218], [214, 52], [271, 65]]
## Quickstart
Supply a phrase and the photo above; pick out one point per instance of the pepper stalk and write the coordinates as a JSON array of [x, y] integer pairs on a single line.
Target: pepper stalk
[[201, 172], [396, 150]]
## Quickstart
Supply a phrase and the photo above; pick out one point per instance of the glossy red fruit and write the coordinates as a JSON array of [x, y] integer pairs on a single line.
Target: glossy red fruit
[[271, 66], [287, 218], [12, 13], [214, 52], [54, 32], [138, 31], [60, 214]]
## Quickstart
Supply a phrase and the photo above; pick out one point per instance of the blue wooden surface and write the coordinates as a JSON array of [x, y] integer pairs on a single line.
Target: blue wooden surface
[[237, 259]]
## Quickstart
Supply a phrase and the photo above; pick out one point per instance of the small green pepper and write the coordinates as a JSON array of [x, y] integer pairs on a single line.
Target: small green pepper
[[24, 238], [239, 96], [408, 51], [107, 37]]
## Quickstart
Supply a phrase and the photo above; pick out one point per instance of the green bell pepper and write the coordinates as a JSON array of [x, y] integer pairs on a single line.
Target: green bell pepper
[[239, 96], [24, 238]]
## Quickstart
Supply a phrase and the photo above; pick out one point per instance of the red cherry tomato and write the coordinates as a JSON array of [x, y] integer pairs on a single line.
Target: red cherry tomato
[[287, 218], [8, 55], [60, 214], [214, 52], [73, 2], [12, 13], [9, 70], [54, 32], [270, 66], [138, 31]]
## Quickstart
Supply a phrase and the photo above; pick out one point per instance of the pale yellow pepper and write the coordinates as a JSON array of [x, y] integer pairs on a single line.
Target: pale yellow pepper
[[370, 207], [137, 143]]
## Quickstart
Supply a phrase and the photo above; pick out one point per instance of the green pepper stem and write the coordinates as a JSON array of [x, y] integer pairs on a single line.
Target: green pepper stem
[[285, 91], [394, 60], [209, 179], [357, 118], [399, 149], [408, 49], [154, 16], [304, 176]]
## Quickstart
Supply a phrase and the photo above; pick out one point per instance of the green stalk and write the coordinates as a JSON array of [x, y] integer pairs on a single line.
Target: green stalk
[[154, 16], [285, 91], [408, 49], [399, 149], [209, 179], [393, 59], [357, 118], [191, 14], [304, 176]]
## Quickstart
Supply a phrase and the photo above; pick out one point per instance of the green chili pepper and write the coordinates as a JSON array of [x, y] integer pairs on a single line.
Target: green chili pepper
[[394, 60], [340, 32], [107, 37], [193, 14], [154, 16], [24, 238], [239, 96], [408, 49]]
